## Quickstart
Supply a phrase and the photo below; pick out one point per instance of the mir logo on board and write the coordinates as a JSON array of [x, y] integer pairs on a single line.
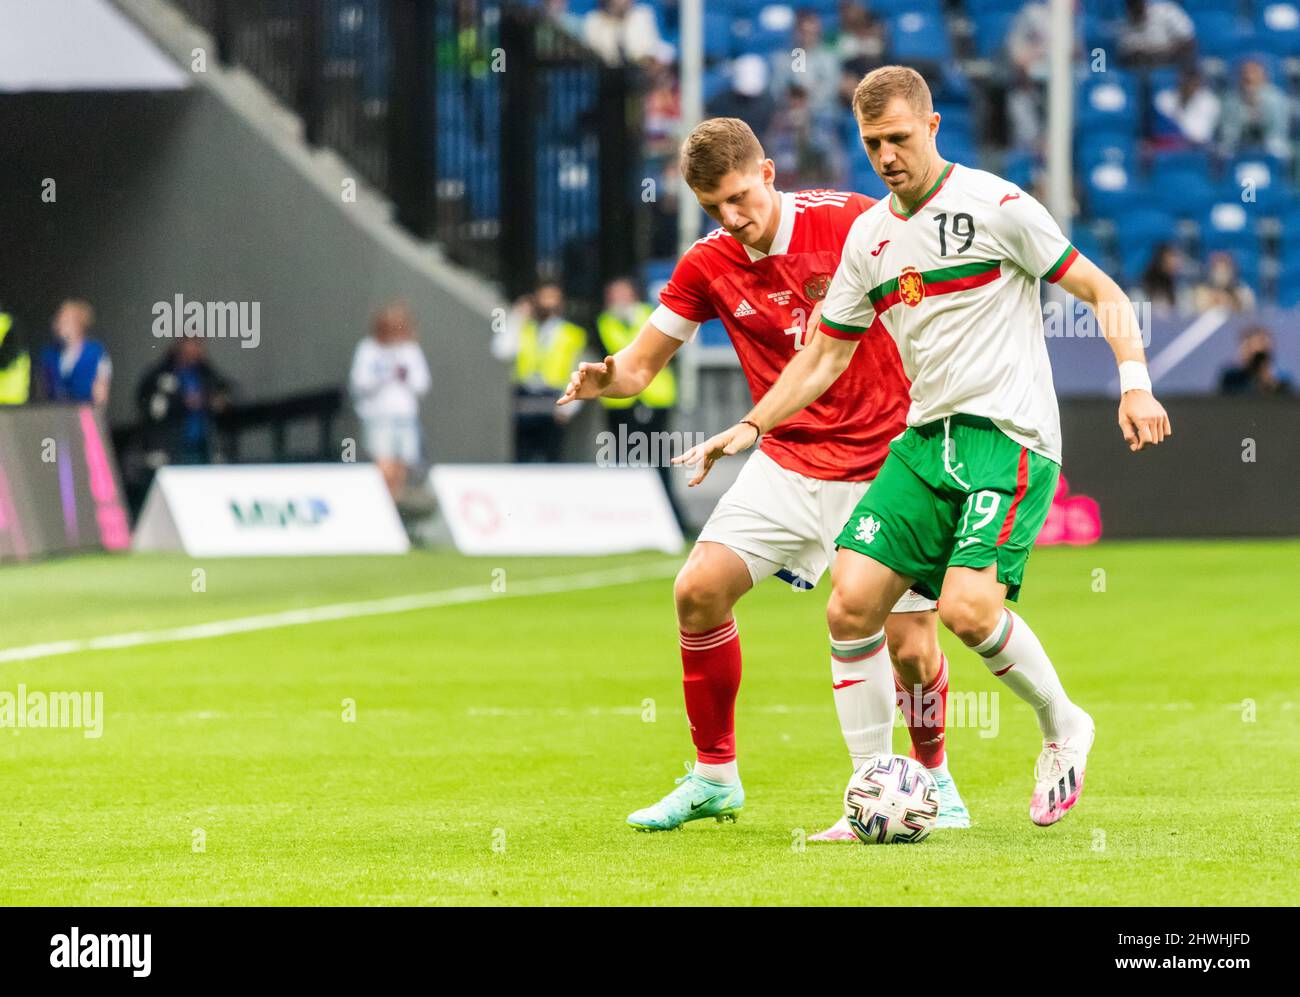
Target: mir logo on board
[[281, 514], [77, 951]]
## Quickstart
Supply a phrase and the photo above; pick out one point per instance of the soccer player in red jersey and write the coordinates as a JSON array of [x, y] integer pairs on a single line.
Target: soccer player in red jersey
[[764, 272]]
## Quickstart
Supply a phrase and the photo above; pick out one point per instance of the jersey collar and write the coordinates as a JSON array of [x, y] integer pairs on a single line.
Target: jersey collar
[[896, 209], [784, 229]]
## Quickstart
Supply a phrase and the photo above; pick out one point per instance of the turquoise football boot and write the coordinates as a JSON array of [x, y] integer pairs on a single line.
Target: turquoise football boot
[[694, 799], [952, 809]]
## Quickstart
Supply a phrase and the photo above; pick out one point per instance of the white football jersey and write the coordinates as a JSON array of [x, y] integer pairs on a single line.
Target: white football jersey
[[956, 285]]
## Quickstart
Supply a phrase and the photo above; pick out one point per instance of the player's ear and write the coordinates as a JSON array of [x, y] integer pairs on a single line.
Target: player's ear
[[768, 171]]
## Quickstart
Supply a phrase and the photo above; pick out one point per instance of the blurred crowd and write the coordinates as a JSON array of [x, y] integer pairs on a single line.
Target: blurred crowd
[[1200, 91]]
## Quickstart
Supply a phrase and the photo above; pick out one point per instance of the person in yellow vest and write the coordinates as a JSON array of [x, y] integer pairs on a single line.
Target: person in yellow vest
[[15, 364], [651, 411], [544, 347]]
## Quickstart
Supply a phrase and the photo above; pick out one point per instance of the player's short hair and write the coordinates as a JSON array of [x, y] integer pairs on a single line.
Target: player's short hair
[[874, 92], [714, 148]]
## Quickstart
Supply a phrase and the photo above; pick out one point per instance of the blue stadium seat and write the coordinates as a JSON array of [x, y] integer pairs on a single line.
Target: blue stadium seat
[[1019, 168], [1223, 34], [1144, 225], [1108, 101], [955, 118], [1113, 188], [1247, 257], [1134, 255], [991, 31], [1288, 287], [713, 333], [919, 37], [958, 148], [1278, 25], [1090, 246], [749, 37], [1226, 224], [1183, 193], [1180, 160], [1266, 176], [1092, 148]]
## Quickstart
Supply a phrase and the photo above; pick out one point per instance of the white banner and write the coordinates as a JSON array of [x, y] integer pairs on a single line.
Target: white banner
[[548, 509], [249, 510]]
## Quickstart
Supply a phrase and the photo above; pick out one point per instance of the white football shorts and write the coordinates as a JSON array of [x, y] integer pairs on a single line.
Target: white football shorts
[[785, 524]]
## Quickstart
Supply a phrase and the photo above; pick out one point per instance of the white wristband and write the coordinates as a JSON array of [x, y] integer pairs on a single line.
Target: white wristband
[[1133, 376]]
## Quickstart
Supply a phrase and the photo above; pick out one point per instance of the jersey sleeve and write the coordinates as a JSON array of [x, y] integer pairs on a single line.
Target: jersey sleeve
[[1030, 237], [684, 302], [848, 312]]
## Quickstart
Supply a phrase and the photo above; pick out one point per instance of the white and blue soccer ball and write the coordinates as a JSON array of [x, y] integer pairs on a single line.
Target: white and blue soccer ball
[[892, 799]]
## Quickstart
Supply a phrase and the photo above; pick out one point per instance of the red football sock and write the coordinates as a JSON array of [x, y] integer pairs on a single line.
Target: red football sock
[[710, 679], [926, 716]]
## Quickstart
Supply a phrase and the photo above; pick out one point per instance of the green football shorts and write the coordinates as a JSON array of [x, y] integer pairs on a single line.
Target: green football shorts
[[957, 491]]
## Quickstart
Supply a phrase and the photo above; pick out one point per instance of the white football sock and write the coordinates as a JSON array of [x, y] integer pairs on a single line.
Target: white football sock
[[723, 772], [863, 682], [1015, 656]]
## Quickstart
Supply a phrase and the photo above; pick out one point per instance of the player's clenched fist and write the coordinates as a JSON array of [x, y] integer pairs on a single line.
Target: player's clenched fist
[[739, 437], [1142, 420], [588, 381]]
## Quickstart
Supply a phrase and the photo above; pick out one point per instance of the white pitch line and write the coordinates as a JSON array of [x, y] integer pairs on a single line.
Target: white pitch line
[[346, 611]]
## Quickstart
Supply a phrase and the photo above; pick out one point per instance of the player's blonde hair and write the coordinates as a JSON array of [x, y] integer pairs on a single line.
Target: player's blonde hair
[[714, 148], [874, 92]]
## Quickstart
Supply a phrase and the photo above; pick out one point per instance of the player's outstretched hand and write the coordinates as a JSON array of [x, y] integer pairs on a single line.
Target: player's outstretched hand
[[588, 381], [1142, 420], [739, 437]]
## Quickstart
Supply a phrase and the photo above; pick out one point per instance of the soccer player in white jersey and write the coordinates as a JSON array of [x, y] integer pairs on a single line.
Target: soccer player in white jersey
[[948, 266]]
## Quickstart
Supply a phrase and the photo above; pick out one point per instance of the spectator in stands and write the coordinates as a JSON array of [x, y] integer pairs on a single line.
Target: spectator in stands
[[1257, 114], [1163, 281], [663, 112], [1027, 51], [649, 412], [862, 42], [621, 31], [1223, 287], [15, 363], [1188, 114], [813, 67], [77, 368], [1256, 374], [748, 98], [663, 211], [545, 347], [177, 399], [389, 377], [1158, 33], [802, 143], [558, 11]]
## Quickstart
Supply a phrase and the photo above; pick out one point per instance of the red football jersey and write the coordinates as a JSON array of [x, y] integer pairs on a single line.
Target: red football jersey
[[765, 303]]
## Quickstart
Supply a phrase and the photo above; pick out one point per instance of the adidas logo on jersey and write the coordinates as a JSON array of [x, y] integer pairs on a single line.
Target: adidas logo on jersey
[[744, 309]]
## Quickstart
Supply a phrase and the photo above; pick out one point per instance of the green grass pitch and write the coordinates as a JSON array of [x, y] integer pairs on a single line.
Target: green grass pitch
[[499, 742]]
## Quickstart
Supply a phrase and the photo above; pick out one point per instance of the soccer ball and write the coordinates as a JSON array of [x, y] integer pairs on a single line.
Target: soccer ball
[[892, 799]]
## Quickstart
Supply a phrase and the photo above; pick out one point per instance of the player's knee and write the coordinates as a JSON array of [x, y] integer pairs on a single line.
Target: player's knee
[[969, 619], [914, 651], [848, 618], [699, 604]]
